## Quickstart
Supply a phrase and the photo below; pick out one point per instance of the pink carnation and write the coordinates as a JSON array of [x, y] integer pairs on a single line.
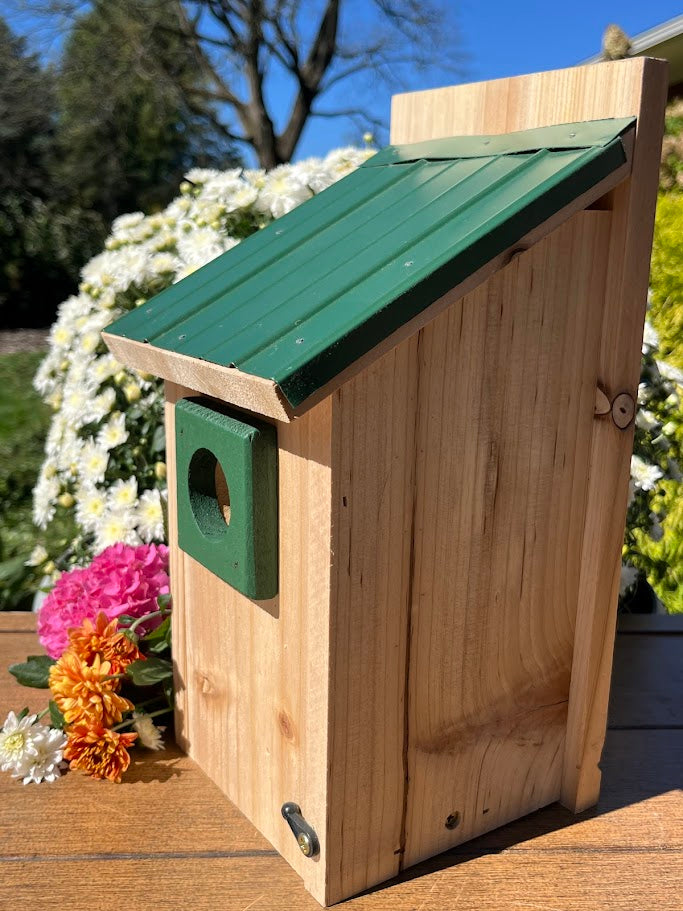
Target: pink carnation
[[120, 580]]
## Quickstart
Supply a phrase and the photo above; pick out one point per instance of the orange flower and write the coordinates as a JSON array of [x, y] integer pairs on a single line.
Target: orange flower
[[104, 639], [99, 752], [83, 693]]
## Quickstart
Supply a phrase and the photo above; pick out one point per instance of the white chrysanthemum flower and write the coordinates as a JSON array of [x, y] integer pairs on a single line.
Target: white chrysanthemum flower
[[94, 462], [45, 494], [282, 191], [341, 162], [16, 741], [150, 517], [222, 186], [91, 505], [200, 246], [113, 433], [125, 222], [644, 475], [61, 334], [149, 734], [243, 198], [163, 264], [102, 404], [116, 526], [75, 402], [314, 174], [45, 762], [105, 367], [122, 495], [117, 269], [201, 175]]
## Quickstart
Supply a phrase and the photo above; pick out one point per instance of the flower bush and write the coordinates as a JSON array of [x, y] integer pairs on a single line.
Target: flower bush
[[104, 455], [654, 500]]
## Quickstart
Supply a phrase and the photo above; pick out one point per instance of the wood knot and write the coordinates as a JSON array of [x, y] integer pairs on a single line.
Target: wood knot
[[286, 726], [205, 685]]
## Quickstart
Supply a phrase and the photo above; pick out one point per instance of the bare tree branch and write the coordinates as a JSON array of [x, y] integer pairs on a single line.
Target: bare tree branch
[[242, 46]]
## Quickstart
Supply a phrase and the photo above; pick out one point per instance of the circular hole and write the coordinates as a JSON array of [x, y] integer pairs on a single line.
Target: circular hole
[[209, 493], [453, 820]]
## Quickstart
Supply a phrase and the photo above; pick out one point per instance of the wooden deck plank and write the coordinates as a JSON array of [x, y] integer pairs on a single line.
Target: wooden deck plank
[[167, 838], [517, 881]]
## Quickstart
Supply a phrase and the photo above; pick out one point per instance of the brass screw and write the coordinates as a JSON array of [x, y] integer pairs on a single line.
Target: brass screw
[[304, 843]]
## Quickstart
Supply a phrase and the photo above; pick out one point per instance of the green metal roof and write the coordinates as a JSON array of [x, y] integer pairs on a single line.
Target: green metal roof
[[301, 300]]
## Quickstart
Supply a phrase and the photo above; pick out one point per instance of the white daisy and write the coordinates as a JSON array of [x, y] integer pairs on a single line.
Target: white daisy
[[150, 517], [94, 460], [149, 734], [17, 741], [45, 762], [115, 527], [122, 495], [644, 476], [113, 433]]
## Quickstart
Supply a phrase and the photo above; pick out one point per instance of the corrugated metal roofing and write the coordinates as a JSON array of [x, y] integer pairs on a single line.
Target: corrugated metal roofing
[[303, 299]]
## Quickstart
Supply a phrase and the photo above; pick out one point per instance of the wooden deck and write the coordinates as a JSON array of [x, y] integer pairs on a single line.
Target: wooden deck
[[166, 839]]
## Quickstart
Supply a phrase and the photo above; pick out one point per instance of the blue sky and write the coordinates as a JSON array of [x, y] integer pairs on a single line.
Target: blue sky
[[486, 40], [508, 38]]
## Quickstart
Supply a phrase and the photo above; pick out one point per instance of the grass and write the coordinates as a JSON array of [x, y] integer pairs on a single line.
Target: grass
[[24, 421]]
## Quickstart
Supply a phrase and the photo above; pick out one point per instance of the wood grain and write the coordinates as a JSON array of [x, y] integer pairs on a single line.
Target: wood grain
[[507, 392], [374, 420], [250, 393]]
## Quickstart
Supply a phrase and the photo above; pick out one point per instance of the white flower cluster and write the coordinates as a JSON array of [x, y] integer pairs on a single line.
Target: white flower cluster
[[31, 751], [104, 454]]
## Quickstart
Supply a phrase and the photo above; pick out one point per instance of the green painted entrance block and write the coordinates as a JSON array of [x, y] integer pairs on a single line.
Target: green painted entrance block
[[227, 495]]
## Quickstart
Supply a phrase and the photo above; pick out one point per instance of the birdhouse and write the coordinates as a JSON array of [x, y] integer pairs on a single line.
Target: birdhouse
[[399, 422]]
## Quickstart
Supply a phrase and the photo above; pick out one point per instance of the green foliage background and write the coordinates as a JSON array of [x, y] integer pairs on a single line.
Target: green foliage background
[[660, 556], [24, 421], [105, 131]]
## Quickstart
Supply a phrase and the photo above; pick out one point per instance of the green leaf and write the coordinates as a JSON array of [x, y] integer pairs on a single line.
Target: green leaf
[[13, 568], [160, 638], [56, 716], [23, 713], [125, 619], [164, 601], [159, 439], [148, 671], [35, 671]]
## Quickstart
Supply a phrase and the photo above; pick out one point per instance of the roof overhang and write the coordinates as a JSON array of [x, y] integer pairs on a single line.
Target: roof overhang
[[387, 248]]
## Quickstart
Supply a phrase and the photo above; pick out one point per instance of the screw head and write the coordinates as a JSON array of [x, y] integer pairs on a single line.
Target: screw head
[[453, 820], [304, 843]]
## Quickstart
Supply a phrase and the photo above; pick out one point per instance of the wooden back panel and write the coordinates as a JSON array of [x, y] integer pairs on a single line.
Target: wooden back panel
[[630, 87]]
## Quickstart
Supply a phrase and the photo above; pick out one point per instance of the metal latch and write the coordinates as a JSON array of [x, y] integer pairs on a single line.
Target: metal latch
[[304, 834]]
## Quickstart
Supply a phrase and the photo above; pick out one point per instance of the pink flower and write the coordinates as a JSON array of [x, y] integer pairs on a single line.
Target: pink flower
[[121, 580]]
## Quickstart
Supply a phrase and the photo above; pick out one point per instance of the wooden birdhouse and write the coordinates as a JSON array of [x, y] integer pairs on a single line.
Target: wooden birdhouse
[[399, 423]]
